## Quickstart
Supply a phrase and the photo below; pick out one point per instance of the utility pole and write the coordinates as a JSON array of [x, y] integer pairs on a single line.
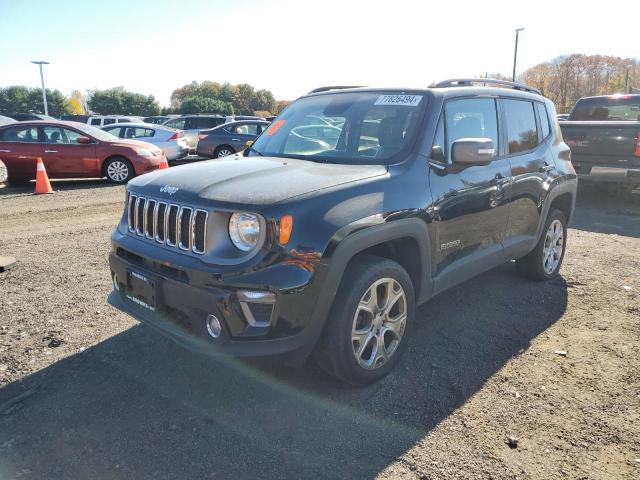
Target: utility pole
[[515, 55], [44, 93]]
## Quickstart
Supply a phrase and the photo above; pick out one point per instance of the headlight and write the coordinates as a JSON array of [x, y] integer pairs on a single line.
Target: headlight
[[143, 152], [244, 230]]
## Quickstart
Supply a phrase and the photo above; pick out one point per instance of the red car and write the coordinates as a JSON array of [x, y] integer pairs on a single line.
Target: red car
[[73, 150]]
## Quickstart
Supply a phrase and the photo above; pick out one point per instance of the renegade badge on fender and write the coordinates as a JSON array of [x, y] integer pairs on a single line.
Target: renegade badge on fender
[[354, 206]]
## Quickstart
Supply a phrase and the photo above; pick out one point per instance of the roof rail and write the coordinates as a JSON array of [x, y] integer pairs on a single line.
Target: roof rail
[[466, 82], [334, 87]]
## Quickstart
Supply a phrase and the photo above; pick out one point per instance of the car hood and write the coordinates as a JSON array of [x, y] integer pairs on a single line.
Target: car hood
[[252, 181]]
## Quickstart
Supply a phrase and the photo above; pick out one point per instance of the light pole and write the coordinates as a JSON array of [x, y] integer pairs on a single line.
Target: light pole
[[515, 55], [44, 93]]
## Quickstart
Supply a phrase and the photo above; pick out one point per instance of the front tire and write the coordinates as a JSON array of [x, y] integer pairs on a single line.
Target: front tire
[[118, 170], [544, 262], [223, 151], [369, 322]]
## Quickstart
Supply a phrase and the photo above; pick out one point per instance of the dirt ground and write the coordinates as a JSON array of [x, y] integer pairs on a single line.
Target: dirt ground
[[86, 392]]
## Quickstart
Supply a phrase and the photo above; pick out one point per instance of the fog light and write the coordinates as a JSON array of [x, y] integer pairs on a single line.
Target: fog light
[[116, 285], [213, 326]]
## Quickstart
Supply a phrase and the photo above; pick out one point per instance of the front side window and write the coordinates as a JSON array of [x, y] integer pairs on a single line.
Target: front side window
[[95, 121], [114, 131], [109, 121], [521, 125], [345, 127], [471, 118], [20, 134]]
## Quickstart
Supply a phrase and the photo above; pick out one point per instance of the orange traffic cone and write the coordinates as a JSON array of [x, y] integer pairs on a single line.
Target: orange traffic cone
[[163, 163], [42, 180]]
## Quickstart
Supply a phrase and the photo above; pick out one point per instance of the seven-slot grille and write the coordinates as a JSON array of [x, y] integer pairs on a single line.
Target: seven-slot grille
[[173, 225]]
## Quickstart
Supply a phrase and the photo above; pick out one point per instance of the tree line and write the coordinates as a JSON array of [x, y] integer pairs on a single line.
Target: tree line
[[204, 97], [567, 78]]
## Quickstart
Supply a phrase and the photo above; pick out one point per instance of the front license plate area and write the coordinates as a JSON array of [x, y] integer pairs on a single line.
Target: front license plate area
[[142, 290]]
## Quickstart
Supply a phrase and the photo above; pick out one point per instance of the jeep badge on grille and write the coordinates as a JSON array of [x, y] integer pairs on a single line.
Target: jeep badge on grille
[[169, 189]]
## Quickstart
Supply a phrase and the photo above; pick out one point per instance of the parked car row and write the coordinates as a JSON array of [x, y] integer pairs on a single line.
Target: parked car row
[[73, 150]]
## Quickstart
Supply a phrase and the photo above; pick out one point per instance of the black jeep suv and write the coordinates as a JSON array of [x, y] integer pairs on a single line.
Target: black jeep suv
[[354, 206]]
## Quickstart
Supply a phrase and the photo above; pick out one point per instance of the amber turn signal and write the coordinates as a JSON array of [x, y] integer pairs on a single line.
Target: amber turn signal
[[286, 226]]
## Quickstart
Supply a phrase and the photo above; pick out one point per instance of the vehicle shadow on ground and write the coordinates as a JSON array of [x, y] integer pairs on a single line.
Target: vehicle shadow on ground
[[139, 406], [606, 210]]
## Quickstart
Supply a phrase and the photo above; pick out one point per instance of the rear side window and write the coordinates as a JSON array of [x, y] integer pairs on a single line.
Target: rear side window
[[114, 131], [471, 118], [544, 120], [177, 123], [522, 134], [136, 132], [20, 134], [95, 121], [109, 121]]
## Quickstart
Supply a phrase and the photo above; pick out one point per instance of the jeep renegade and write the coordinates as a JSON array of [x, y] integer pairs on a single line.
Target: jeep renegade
[[353, 207]]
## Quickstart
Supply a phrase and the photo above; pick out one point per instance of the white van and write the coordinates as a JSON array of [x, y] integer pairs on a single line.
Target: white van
[[102, 120]]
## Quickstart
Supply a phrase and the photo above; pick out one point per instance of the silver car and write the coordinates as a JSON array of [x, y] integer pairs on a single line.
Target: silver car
[[171, 141], [6, 120]]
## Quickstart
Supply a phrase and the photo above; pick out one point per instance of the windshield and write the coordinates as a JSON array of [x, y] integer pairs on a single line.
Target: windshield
[[96, 133], [352, 128]]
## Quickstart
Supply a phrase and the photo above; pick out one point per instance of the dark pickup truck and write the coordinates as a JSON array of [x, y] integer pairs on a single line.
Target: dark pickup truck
[[604, 136]]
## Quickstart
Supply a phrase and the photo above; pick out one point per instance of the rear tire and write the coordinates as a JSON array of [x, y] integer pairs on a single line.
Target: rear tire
[[362, 343], [544, 261], [223, 151], [118, 170]]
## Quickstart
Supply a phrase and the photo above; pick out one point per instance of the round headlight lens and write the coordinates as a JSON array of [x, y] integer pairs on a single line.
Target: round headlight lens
[[244, 230]]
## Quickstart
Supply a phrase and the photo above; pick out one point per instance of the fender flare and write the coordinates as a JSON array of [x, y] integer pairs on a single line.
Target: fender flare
[[360, 240]]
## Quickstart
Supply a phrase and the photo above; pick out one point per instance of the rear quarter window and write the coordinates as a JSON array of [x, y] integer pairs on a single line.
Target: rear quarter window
[[544, 119]]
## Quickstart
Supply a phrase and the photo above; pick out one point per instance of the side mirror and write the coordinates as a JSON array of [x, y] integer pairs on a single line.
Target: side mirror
[[437, 154], [473, 151], [83, 140]]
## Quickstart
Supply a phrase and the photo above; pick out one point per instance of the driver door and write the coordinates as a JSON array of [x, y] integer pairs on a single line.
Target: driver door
[[471, 202]]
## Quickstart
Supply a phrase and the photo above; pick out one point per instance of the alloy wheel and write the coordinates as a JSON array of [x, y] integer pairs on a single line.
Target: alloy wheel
[[117, 171], [224, 153], [553, 247], [379, 323]]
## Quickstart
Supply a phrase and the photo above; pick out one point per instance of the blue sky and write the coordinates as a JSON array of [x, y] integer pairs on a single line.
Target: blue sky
[[291, 47]]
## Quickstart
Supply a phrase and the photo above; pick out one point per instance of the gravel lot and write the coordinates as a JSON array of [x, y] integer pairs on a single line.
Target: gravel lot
[[86, 392]]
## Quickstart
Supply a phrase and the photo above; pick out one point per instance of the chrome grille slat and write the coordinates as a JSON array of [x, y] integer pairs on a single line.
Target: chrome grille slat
[[199, 232], [150, 218], [185, 228], [131, 213], [140, 203], [161, 222], [176, 226], [172, 225]]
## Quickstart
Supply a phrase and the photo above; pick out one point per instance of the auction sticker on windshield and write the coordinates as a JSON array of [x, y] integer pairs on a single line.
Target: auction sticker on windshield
[[407, 100]]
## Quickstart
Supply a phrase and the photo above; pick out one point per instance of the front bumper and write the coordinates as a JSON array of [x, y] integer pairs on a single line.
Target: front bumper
[[182, 307]]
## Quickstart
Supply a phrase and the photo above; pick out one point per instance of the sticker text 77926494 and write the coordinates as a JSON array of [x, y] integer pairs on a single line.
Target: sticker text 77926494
[[406, 100]]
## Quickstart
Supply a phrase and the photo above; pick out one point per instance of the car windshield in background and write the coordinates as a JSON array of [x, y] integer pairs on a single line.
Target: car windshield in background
[[345, 127], [96, 132], [620, 108]]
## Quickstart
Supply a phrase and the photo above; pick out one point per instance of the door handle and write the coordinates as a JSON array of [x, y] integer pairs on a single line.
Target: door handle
[[5, 151], [236, 140], [51, 151]]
